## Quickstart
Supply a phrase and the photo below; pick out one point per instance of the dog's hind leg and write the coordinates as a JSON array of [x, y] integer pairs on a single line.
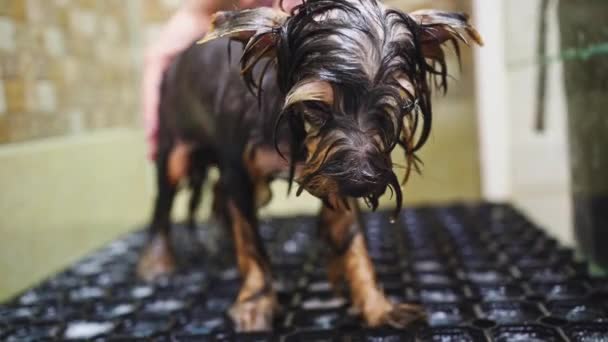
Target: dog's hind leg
[[351, 261], [197, 176], [256, 302], [157, 257]]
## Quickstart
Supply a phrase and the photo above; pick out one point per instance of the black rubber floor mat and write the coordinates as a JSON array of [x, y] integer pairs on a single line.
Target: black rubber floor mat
[[483, 272]]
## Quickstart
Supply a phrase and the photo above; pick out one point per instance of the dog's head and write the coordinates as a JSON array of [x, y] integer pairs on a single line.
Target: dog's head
[[355, 78]]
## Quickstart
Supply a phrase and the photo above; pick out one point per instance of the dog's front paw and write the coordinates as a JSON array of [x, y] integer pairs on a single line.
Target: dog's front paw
[[254, 315], [156, 259], [397, 315], [403, 315]]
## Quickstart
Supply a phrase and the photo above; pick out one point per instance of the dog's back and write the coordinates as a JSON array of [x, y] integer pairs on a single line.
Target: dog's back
[[205, 102]]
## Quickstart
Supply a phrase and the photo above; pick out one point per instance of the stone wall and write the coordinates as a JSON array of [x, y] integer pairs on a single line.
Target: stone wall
[[71, 66]]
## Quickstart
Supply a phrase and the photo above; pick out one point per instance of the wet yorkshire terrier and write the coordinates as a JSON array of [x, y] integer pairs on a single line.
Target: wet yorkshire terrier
[[320, 97]]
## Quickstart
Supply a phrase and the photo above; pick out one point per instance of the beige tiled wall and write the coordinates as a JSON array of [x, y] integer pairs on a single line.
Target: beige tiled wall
[[71, 66], [66, 67]]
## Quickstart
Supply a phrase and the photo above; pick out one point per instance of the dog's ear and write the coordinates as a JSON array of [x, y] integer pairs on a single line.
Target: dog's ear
[[256, 28], [244, 24], [441, 26]]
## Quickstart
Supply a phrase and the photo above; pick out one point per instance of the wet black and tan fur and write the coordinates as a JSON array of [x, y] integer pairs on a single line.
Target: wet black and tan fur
[[320, 96]]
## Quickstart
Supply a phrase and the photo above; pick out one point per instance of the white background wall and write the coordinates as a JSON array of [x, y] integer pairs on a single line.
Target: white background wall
[[519, 164]]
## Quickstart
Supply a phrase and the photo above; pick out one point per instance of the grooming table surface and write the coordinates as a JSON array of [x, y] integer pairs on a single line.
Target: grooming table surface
[[482, 272]]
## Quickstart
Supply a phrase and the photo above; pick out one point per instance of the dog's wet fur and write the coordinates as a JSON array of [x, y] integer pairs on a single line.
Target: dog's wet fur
[[319, 96]]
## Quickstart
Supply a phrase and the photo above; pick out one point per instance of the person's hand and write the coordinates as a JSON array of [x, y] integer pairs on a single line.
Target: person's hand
[[187, 24], [288, 5]]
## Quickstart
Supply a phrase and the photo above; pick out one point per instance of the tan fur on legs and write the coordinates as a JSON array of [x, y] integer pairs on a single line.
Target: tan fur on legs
[[353, 260], [340, 222], [256, 302], [179, 162], [264, 164], [359, 273], [335, 273], [261, 164], [156, 259]]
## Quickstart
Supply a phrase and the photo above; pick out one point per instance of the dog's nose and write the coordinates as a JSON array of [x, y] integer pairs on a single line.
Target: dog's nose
[[362, 188]]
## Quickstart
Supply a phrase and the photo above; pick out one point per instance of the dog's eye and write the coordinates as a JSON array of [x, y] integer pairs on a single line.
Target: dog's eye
[[307, 126], [315, 116], [313, 122]]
